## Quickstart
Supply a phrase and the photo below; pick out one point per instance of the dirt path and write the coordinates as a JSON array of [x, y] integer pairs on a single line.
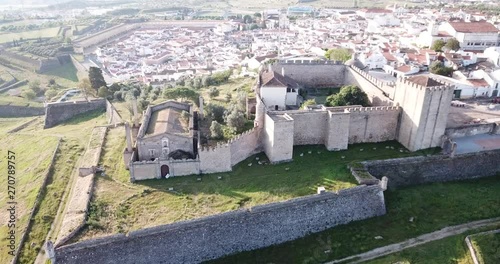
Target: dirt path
[[440, 234]]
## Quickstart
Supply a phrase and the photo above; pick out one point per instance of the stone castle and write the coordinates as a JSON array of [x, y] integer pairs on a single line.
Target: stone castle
[[412, 111]]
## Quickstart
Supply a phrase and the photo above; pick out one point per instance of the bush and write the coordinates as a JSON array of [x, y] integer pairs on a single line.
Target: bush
[[213, 92], [236, 120], [215, 112], [29, 94], [103, 92], [308, 103], [50, 93], [348, 95], [216, 131]]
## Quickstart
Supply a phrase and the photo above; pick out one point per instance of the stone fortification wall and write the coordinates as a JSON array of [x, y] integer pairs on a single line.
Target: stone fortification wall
[[373, 124], [373, 87], [48, 64], [418, 170], [217, 159], [337, 137], [112, 114], [20, 111], [56, 113], [215, 236], [244, 146], [309, 127], [278, 137], [471, 130], [81, 71], [425, 111], [313, 74]]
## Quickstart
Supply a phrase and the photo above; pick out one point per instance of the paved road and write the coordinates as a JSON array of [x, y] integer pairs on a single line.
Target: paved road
[[437, 235]]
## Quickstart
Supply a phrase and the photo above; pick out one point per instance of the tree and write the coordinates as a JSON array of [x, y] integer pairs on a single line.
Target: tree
[[35, 86], [254, 26], [348, 95], [438, 45], [52, 82], [228, 97], [215, 112], [342, 55], [236, 120], [185, 116], [213, 92], [438, 67], [247, 19], [181, 93], [86, 88], [257, 14], [96, 78], [29, 94], [307, 103], [452, 44], [103, 92], [216, 131], [115, 87]]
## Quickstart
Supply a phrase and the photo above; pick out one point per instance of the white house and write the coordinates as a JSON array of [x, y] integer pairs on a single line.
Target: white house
[[278, 91], [473, 35], [373, 59], [493, 55]]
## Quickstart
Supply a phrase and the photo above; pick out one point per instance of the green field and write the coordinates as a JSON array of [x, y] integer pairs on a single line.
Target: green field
[[34, 147], [448, 250], [487, 247], [43, 33], [121, 206], [32, 159], [432, 206]]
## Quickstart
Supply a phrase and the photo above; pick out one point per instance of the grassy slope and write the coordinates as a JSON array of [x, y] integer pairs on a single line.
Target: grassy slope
[[433, 207], [449, 250], [33, 155], [487, 248], [122, 206], [75, 135]]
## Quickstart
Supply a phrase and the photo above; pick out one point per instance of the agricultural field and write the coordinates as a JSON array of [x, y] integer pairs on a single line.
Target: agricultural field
[[121, 206], [32, 160], [432, 207], [33, 34]]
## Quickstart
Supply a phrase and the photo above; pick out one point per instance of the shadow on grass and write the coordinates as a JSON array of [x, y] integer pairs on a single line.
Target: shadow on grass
[[83, 117], [67, 71]]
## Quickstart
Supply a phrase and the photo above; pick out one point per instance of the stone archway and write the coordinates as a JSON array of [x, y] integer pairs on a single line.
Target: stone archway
[[165, 170]]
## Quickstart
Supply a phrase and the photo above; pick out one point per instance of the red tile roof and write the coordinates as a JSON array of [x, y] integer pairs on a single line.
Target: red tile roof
[[474, 27], [478, 82]]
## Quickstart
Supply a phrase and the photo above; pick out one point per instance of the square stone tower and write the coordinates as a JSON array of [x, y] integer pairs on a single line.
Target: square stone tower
[[426, 104]]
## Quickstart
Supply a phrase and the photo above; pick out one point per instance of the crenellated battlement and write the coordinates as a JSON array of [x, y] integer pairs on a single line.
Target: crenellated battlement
[[311, 62], [371, 78], [372, 109]]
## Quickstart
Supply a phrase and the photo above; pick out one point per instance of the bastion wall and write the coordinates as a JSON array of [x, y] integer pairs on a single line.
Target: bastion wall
[[219, 235]]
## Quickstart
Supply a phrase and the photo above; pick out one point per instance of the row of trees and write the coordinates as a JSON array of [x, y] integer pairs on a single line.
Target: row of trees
[[342, 55], [199, 82]]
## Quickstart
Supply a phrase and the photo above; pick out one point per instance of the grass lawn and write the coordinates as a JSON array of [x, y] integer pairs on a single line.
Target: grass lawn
[[120, 206], [433, 206], [44, 33], [75, 134], [66, 71], [487, 248], [32, 159], [448, 250]]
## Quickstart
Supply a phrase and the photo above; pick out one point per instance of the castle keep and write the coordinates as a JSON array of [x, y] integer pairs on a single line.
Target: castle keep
[[412, 110]]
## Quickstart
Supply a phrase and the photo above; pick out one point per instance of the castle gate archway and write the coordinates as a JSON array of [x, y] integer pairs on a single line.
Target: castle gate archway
[[164, 170]]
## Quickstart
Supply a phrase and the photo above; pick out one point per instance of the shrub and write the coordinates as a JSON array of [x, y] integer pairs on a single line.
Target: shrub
[[216, 131]]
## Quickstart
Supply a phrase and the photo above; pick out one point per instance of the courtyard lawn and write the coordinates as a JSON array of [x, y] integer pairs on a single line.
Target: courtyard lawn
[[432, 206], [121, 206], [487, 248], [32, 159]]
